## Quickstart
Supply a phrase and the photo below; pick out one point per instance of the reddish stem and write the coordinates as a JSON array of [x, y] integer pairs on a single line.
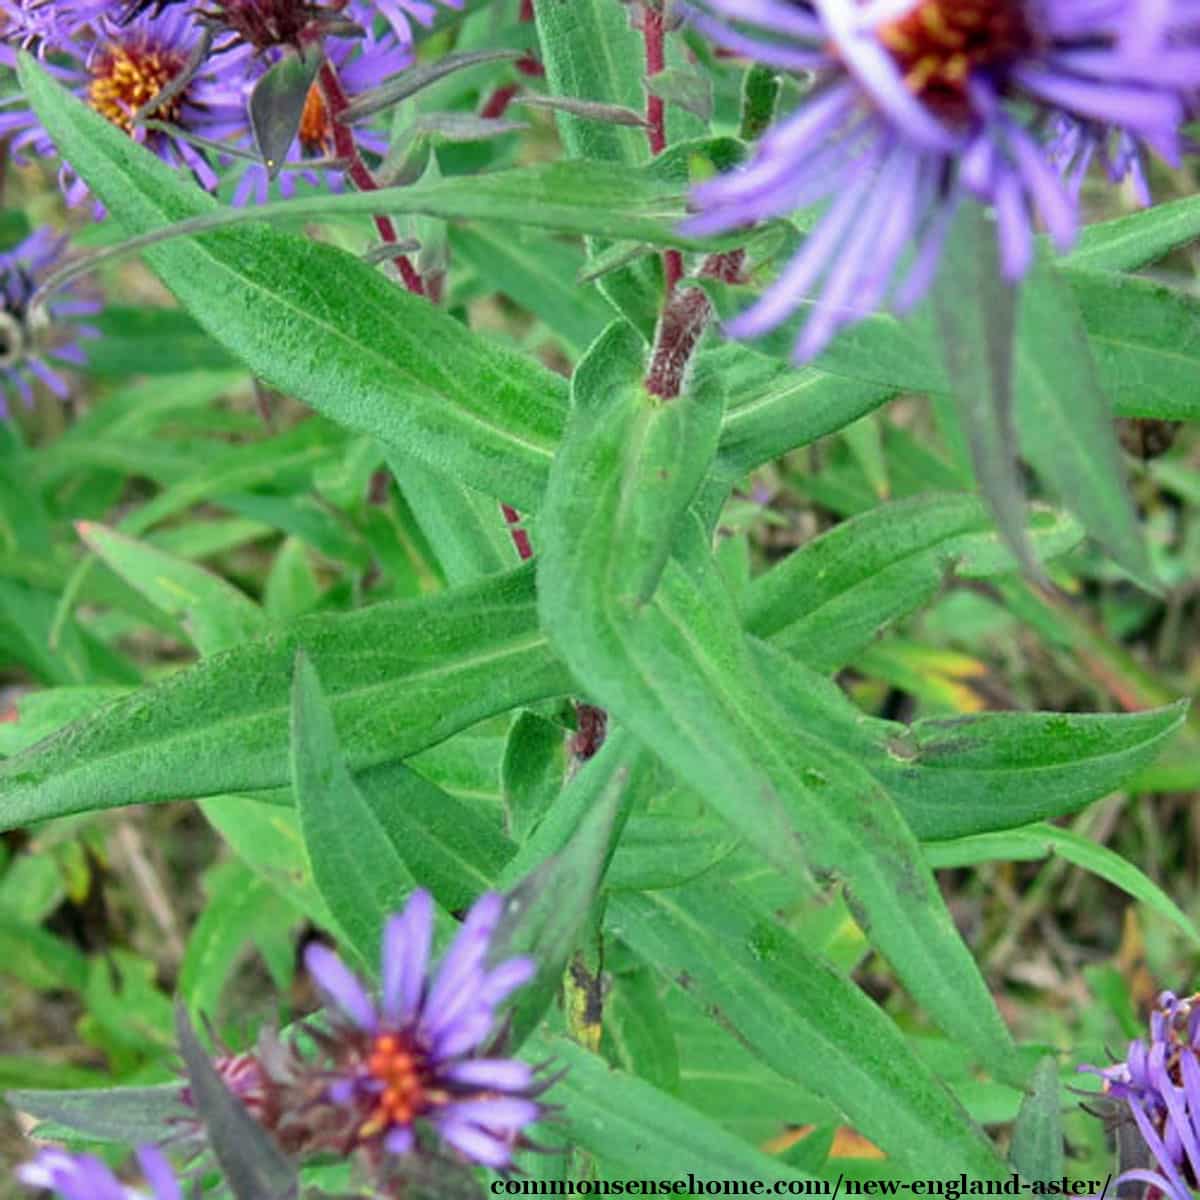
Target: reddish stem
[[345, 147], [682, 324], [654, 34], [656, 60], [497, 103], [519, 536]]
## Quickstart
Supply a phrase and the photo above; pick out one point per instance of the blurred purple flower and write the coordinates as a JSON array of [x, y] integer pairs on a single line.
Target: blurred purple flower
[[84, 1177], [118, 68], [426, 1052], [1160, 1085], [33, 24], [27, 338], [919, 103], [400, 14], [362, 63]]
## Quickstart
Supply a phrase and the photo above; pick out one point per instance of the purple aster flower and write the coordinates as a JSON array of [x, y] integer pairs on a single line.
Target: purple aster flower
[[1159, 1083], [425, 1055], [400, 14], [34, 24], [28, 339], [118, 68], [1074, 145], [918, 104], [84, 1177], [362, 63]]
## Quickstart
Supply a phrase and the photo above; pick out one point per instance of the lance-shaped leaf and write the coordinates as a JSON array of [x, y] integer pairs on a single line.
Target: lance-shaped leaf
[[1037, 1143], [276, 105], [252, 1165], [1067, 422], [318, 324], [977, 314], [805, 1020], [214, 612], [400, 677], [360, 874], [643, 1131], [985, 771], [548, 907], [677, 671], [419, 77], [127, 1115], [830, 598]]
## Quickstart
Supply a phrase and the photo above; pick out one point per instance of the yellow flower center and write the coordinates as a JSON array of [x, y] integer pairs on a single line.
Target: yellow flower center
[[125, 78]]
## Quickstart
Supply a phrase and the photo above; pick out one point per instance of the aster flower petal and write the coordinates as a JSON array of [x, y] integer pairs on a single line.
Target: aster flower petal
[[341, 985], [410, 1067], [492, 1074], [158, 1172], [30, 337], [476, 1144], [407, 940], [499, 983], [894, 76], [85, 1177]]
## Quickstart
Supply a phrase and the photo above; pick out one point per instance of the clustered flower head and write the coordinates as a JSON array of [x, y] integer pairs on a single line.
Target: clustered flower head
[[427, 1055], [1159, 1083], [917, 104], [30, 338], [203, 58], [414, 1082], [85, 1177]]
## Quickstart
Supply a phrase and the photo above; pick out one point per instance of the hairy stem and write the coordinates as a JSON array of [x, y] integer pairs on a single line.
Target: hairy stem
[[336, 103]]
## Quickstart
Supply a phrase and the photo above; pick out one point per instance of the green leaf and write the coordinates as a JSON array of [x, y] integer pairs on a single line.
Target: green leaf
[[356, 866], [676, 670], [239, 907], [267, 839], [638, 1130], [252, 1166], [951, 777], [591, 53], [214, 612], [400, 677], [1067, 423], [448, 846], [1037, 1143], [150, 341], [1143, 336], [318, 324], [463, 526], [774, 407], [533, 772], [976, 315], [537, 272], [133, 1116], [663, 850], [1130, 343], [1000, 770], [276, 105], [833, 596], [638, 1034], [1126, 243], [1038, 841], [804, 1020], [548, 908], [39, 959]]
